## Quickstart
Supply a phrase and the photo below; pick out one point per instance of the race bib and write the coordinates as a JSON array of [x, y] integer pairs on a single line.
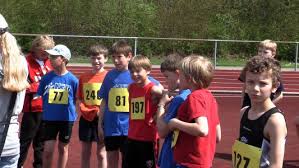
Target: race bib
[[90, 91], [174, 139], [138, 108], [58, 96], [245, 156], [118, 100]]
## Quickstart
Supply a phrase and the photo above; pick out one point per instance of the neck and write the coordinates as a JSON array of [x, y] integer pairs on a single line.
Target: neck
[[144, 83], [94, 71], [60, 70], [260, 107]]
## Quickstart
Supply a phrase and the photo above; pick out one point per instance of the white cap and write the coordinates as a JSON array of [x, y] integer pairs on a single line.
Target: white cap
[[60, 50], [3, 23]]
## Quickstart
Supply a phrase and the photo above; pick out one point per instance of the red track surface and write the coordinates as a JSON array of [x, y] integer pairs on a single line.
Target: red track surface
[[229, 113]]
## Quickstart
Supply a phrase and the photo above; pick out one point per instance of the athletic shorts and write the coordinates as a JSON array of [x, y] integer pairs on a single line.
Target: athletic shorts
[[88, 130], [113, 143], [140, 154], [53, 128]]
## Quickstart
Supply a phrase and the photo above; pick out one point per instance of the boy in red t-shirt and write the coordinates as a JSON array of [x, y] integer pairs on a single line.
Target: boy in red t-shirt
[[197, 126], [89, 85], [142, 133]]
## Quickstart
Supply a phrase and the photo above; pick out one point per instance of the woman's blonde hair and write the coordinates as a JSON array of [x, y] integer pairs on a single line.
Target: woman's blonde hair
[[14, 66], [42, 42]]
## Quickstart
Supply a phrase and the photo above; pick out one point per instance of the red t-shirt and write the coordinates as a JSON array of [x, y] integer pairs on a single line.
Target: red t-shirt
[[89, 85], [191, 151], [142, 110]]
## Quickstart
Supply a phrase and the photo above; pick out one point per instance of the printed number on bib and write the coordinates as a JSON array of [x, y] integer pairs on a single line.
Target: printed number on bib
[[58, 96], [245, 156], [174, 139], [90, 93], [138, 108], [118, 100]]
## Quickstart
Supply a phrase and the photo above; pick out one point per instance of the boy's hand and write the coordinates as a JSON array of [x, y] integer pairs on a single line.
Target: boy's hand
[[166, 98]]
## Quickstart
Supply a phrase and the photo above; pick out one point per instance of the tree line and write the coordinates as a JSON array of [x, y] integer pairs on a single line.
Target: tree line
[[204, 19]]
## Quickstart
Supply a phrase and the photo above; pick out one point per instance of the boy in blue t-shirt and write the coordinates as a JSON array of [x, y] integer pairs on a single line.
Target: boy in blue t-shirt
[[169, 68], [58, 90], [114, 111]]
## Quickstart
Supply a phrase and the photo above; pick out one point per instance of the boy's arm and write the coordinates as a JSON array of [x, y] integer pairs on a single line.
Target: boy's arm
[[162, 126], [198, 128], [100, 122], [276, 131]]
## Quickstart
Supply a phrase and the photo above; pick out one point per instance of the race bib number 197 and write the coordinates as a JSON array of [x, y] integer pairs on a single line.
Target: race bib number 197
[[118, 100], [58, 96], [137, 108]]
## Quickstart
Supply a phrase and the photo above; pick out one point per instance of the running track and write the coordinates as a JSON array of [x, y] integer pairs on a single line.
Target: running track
[[226, 88]]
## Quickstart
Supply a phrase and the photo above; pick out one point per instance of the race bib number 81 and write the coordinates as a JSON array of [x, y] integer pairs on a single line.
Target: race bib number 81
[[58, 96], [245, 156], [118, 100]]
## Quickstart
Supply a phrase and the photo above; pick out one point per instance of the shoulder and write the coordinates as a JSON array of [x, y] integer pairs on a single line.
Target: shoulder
[[156, 90], [277, 120]]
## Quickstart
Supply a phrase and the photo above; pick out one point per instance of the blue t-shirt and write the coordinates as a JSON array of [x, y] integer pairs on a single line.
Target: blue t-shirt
[[114, 92], [166, 156], [59, 96]]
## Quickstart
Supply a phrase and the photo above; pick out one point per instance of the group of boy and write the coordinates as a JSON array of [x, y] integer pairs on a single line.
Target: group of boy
[[125, 110]]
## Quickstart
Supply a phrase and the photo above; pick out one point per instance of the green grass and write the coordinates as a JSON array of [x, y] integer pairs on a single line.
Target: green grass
[[222, 61]]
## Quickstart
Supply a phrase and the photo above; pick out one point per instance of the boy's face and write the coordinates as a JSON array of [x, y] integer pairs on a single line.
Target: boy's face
[[265, 52], [139, 75], [172, 79], [98, 61], [57, 61], [121, 61], [184, 83], [259, 86]]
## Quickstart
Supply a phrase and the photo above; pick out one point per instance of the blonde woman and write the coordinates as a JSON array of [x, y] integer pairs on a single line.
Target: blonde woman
[[13, 83], [31, 127]]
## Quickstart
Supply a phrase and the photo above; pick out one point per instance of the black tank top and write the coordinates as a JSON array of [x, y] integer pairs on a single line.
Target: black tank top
[[252, 131]]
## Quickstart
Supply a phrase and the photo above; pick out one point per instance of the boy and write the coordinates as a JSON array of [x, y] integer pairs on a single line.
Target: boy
[[170, 69], [58, 89], [115, 104], [197, 123], [31, 126], [142, 134], [266, 48], [89, 85], [263, 131]]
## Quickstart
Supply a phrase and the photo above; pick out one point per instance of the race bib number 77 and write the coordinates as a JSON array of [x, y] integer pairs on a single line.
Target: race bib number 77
[[58, 96]]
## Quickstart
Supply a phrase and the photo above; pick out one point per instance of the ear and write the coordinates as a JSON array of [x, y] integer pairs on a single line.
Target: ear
[[177, 72], [130, 55], [275, 87]]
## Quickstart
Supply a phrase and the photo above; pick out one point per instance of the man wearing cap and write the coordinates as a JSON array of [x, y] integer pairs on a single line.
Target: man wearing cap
[[13, 84], [58, 89]]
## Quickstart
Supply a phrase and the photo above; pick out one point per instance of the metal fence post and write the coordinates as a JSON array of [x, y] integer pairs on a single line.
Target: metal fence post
[[135, 46], [296, 58], [215, 54]]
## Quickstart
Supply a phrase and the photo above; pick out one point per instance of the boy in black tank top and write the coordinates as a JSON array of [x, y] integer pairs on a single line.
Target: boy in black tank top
[[263, 131]]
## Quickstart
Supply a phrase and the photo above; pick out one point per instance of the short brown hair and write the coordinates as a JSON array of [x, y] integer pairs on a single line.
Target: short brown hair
[[140, 61], [269, 45], [172, 62], [42, 42], [198, 69], [258, 65], [121, 47], [98, 49]]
